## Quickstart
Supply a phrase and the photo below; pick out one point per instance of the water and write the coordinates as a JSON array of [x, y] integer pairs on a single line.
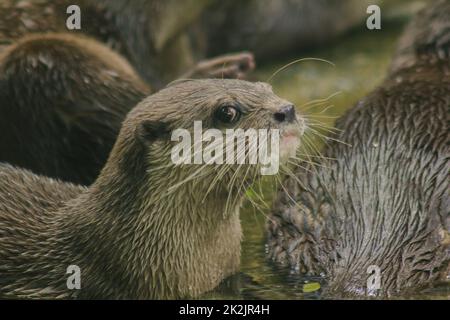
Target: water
[[361, 60]]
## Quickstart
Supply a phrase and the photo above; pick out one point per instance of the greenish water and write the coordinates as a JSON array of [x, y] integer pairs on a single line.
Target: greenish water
[[361, 60]]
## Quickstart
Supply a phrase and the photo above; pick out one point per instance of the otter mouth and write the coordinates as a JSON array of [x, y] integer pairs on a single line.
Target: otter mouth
[[264, 147], [290, 141]]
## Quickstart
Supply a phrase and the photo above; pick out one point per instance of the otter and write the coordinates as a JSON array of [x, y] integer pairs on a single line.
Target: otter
[[147, 228], [65, 94], [63, 99], [152, 35], [290, 25], [425, 36], [380, 200]]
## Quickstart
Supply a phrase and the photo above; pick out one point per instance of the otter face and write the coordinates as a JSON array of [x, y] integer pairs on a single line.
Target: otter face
[[224, 125]]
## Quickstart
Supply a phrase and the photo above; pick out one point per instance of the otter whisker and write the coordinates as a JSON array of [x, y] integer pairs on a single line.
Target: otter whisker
[[327, 138], [318, 116], [319, 101], [296, 164], [254, 204], [217, 178], [326, 109], [233, 178], [151, 169], [312, 146], [259, 196], [313, 130], [310, 150], [313, 164], [189, 178], [259, 180], [320, 157], [223, 171], [194, 176], [297, 61], [260, 209], [296, 203], [294, 176], [315, 124], [230, 191]]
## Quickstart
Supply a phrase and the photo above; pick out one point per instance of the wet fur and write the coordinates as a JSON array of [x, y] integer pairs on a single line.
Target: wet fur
[[131, 236], [64, 94], [63, 99], [147, 33], [385, 199]]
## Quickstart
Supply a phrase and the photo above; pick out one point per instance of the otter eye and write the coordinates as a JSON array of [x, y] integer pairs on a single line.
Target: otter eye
[[228, 114]]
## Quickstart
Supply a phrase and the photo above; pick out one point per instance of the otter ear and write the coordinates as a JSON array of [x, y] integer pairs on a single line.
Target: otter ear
[[148, 131]]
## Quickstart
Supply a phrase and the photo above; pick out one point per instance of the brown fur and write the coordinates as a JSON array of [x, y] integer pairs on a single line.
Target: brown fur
[[385, 199], [63, 98], [131, 235], [270, 28], [427, 36], [145, 32], [64, 94]]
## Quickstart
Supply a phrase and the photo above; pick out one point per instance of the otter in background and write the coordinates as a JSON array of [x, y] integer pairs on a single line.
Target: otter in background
[[64, 94], [289, 24], [151, 35], [426, 36], [384, 201], [63, 98]]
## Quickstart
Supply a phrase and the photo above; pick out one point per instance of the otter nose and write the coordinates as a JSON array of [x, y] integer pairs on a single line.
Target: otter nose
[[286, 113]]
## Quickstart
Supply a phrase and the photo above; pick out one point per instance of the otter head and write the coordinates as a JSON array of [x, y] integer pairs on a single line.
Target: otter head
[[215, 136]]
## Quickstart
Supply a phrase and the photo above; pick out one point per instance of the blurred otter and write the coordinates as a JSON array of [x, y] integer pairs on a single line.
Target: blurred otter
[[63, 98], [152, 35], [120, 232], [63, 95], [426, 36], [270, 28], [385, 200]]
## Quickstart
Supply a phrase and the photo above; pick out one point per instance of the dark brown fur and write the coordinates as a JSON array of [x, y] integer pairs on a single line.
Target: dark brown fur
[[142, 31], [62, 101], [272, 28], [385, 200], [64, 94]]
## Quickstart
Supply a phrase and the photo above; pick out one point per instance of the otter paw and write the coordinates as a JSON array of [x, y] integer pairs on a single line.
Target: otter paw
[[230, 66]]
